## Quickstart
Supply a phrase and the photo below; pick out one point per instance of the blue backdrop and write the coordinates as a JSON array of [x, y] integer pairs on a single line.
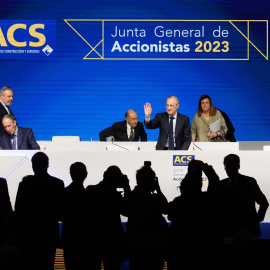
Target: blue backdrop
[[63, 94]]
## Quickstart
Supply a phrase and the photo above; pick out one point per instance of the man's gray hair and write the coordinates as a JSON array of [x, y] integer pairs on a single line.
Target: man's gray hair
[[9, 116], [176, 98], [4, 89]]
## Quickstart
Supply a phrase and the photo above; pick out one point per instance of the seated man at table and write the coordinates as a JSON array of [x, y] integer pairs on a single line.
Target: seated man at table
[[129, 130], [16, 138]]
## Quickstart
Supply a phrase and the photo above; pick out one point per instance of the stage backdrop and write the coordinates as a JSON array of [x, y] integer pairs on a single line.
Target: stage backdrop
[[77, 66]]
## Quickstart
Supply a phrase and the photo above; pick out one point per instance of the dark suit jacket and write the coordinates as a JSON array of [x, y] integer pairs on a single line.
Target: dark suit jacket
[[119, 131], [182, 130], [3, 112], [104, 204], [238, 206], [73, 216], [229, 135], [37, 208], [26, 140]]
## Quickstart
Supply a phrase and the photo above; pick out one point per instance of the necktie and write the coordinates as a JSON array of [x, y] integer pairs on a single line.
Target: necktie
[[13, 141], [171, 139], [131, 136]]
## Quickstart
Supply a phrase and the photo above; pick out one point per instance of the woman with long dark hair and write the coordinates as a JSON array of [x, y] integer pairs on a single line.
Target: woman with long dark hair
[[206, 115]]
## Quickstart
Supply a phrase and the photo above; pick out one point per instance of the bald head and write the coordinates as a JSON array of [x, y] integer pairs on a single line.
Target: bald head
[[131, 118]]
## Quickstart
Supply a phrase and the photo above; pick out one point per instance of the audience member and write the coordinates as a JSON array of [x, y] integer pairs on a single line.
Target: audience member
[[209, 230], [147, 230], [37, 210], [73, 217], [104, 204], [5, 213], [194, 220], [16, 138], [239, 195]]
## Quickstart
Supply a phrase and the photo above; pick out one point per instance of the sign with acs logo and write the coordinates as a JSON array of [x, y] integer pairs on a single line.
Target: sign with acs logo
[[27, 39]]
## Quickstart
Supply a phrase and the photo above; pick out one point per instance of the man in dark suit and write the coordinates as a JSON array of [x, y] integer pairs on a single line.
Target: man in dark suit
[[239, 195], [16, 138], [73, 217], [174, 128], [37, 210], [129, 130], [6, 98]]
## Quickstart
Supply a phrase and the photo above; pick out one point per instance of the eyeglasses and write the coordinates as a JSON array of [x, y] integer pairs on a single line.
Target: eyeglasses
[[170, 106]]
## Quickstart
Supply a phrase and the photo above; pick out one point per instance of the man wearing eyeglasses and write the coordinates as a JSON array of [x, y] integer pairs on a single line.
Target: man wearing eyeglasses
[[174, 128]]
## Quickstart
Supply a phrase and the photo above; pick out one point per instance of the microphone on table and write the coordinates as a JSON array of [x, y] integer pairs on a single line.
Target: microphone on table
[[119, 145], [196, 146]]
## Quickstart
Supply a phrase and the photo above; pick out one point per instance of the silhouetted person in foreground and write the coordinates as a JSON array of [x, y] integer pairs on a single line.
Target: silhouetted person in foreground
[[37, 211], [5, 213], [194, 220], [73, 217], [104, 204], [240, 219], [240, 194], [9, 257], [147, 230]]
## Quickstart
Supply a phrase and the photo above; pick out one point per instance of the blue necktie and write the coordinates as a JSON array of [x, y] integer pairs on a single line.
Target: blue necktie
[[171, 139]]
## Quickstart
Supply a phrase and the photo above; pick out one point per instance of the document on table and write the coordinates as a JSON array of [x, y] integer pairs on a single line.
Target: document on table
[[215, 127]]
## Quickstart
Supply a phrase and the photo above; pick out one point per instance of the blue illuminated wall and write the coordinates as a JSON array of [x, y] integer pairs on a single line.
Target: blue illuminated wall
[[63, 94]]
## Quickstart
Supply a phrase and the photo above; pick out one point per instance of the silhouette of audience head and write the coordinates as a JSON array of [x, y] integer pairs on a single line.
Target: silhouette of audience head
[[195, 166], [113, 176], [146, 177], [40, 162], [78, 172], [232, 165], [192, 182]]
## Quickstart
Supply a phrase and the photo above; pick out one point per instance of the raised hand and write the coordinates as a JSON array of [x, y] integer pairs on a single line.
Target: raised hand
[[147, 110]]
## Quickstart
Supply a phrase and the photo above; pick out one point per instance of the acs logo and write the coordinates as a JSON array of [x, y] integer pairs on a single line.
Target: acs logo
[[22, 31], [182, 160]]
